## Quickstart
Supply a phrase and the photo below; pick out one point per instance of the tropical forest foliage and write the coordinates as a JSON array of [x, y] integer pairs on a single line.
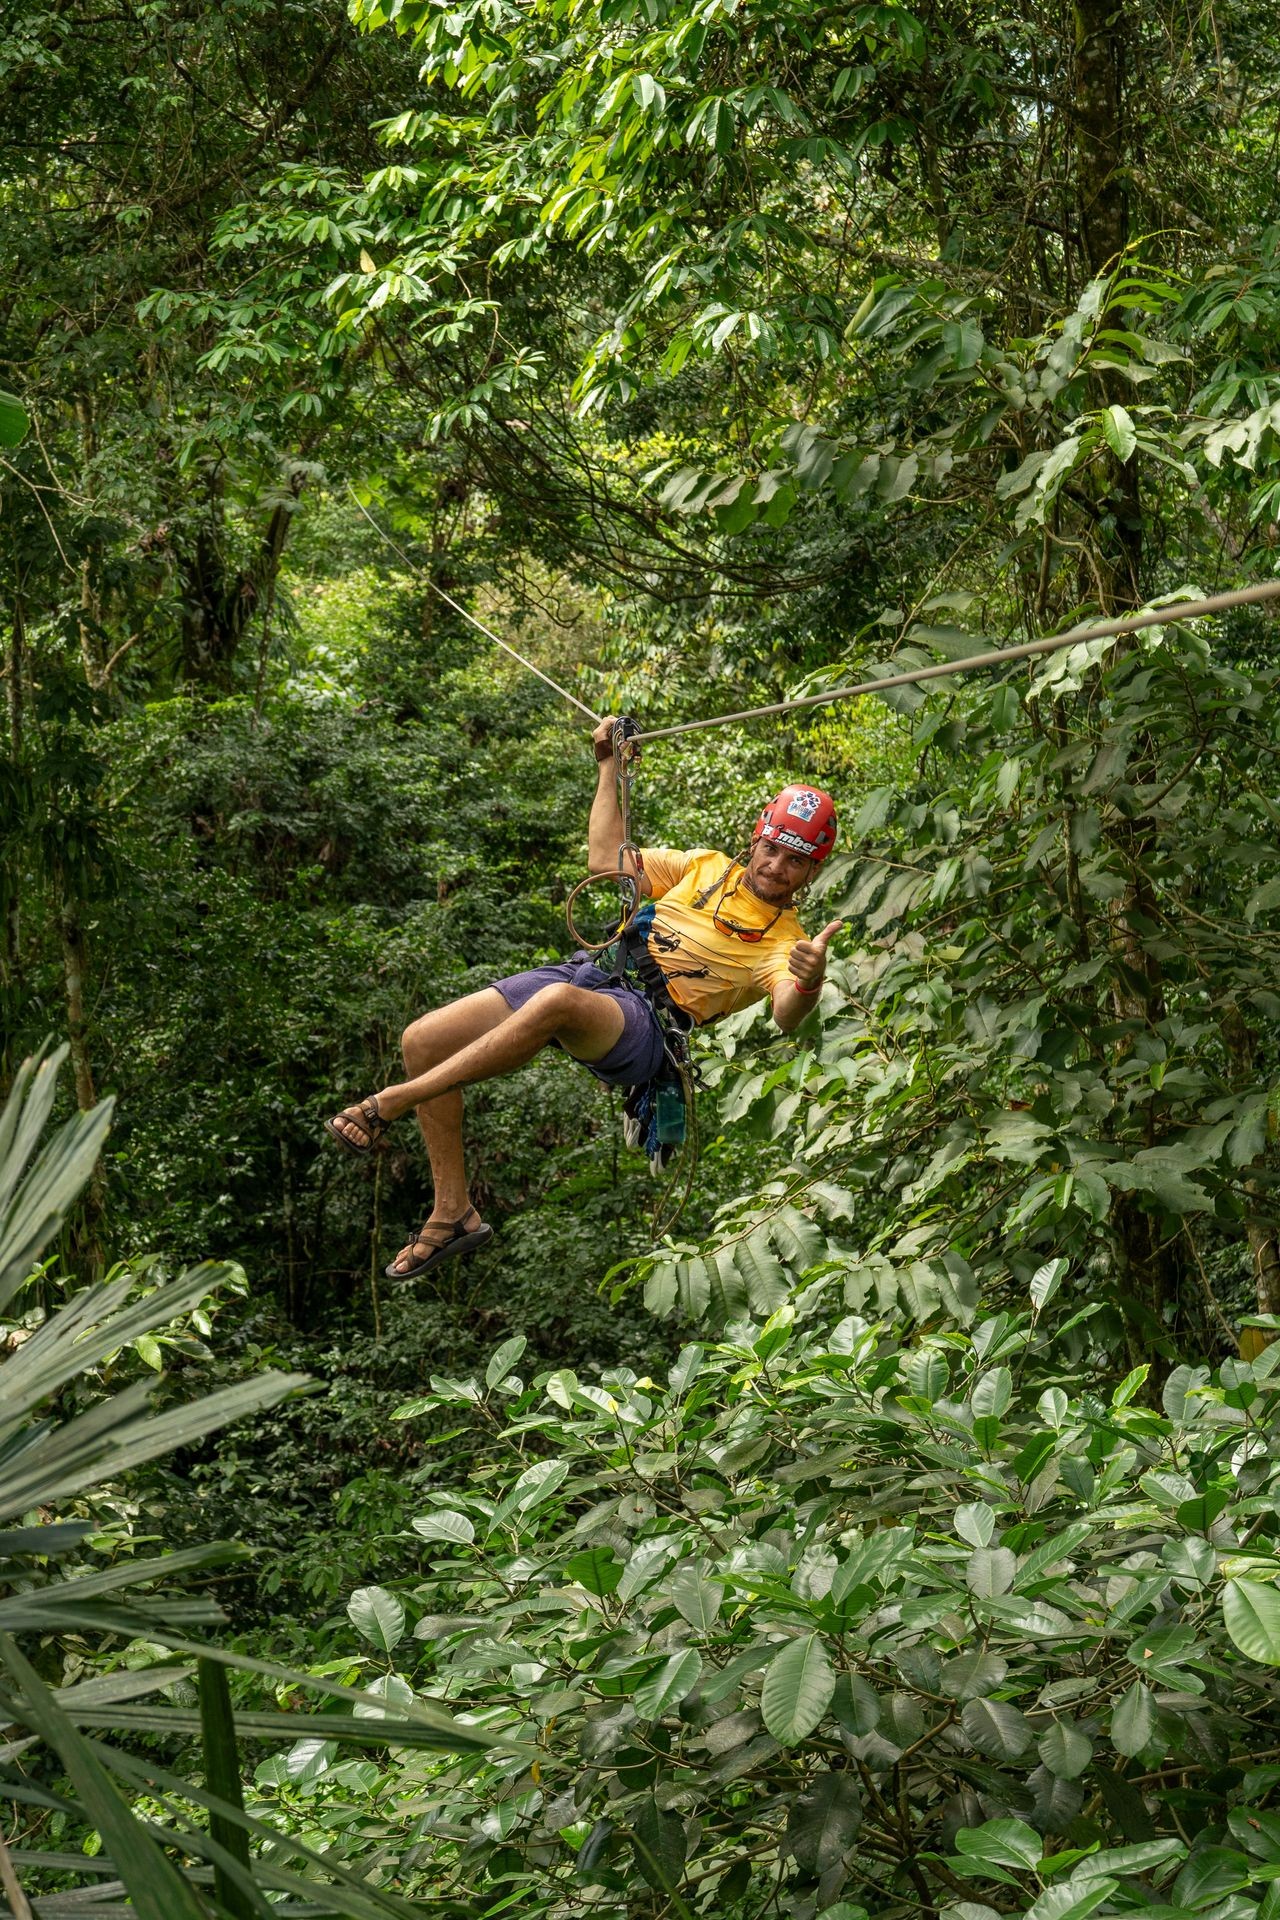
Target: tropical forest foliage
[[891, 1530]]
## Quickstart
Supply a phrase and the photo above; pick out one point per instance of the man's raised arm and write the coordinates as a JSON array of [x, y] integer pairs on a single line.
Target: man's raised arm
[[604, 829], [807, 961]]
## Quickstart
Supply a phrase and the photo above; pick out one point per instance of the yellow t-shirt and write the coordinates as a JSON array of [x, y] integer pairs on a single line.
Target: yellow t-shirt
[[708, 972]]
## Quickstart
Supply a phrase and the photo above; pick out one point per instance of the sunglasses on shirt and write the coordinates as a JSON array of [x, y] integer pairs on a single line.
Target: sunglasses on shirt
[[722, 923], [752, 935]]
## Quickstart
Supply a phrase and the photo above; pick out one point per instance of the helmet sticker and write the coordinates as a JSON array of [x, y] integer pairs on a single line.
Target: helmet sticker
[[803, 804], [793, 841]]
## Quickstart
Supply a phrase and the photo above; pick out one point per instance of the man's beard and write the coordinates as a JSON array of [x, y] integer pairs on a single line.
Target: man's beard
[[779, 893]]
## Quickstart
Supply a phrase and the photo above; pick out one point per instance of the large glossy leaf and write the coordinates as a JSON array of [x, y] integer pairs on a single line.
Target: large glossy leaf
[[668, 1686], [824, 1821], [1004, 1843], [1133, 1720], [13, 420], [378, 1616], [997, 1728], [697, 1598], [659, 1841], [1251, 1609], [797, 1690], [1065, 1750]]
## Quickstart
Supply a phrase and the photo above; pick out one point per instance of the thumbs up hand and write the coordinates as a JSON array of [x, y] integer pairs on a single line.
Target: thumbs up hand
[[808, 958]]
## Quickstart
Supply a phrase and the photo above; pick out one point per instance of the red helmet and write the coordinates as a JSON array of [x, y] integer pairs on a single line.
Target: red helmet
[[802, 819]]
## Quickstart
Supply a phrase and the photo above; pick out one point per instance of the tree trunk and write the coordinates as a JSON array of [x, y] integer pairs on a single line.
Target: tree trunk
[[219, 604], [1098, 113], [14, 806], [75, 968], [1260, 1226], [1100, 35], [90, 618], [1148, 1261]]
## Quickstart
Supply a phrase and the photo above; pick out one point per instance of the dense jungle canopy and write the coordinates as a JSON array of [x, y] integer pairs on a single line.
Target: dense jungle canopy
[[895, 1534]]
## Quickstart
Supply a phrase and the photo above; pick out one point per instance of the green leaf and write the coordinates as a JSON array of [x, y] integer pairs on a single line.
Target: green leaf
[[1045, 1282], [976, 1523], [1002, 1843], [1144, 1857], [597, 1569], [1209, 1876], [971, 1676], [696, 1597], [1130, 1385], [990, 1571], [1065, 1750], [992, 1393], [823, 1821], [444, 1524], [536, 1484], [659, 1842], [797, 1689], [996, 1729], [1119, 432], [1133, 1720], [855, 1705], [1251, 1610], [1069, 1901], [667, 1687], [378, 1616], [13, 420], [504, 1359]]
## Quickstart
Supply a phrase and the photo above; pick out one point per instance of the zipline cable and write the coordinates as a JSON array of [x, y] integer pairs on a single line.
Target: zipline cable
[[942, 670], [478, 624], [998, 657]]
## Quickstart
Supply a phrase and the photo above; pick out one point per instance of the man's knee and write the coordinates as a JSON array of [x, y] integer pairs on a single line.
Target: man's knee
[[554, 1006], [418, 1046]]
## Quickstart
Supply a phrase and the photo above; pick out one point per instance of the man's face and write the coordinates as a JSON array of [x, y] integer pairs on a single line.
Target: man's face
[[774, 873]]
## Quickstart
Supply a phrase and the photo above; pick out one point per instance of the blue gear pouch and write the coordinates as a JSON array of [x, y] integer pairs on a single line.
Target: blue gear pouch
[[669, 1114]]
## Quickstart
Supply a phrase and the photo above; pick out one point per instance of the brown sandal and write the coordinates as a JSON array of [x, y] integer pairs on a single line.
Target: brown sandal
[[462, 1239], [364, 1115]]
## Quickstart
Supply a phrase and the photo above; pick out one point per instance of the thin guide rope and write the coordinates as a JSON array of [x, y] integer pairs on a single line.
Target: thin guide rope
[[998, 657], [478, 624]]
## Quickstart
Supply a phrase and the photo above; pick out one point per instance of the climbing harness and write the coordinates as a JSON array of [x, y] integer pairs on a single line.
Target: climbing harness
[[660, 1117]]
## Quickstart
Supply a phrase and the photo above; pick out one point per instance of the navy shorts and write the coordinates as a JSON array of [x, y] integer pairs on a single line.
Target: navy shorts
[[638, 1054]]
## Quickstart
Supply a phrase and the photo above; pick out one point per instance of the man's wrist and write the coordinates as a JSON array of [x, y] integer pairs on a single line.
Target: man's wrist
[[808, 992], [604, 750]]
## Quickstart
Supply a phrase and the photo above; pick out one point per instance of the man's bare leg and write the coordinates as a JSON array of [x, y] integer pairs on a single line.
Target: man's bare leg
[[480, 1038], [587, 1025], [424, 1044]]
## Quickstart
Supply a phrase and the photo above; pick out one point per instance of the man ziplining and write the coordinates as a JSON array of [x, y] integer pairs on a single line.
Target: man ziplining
[[723, 933]]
